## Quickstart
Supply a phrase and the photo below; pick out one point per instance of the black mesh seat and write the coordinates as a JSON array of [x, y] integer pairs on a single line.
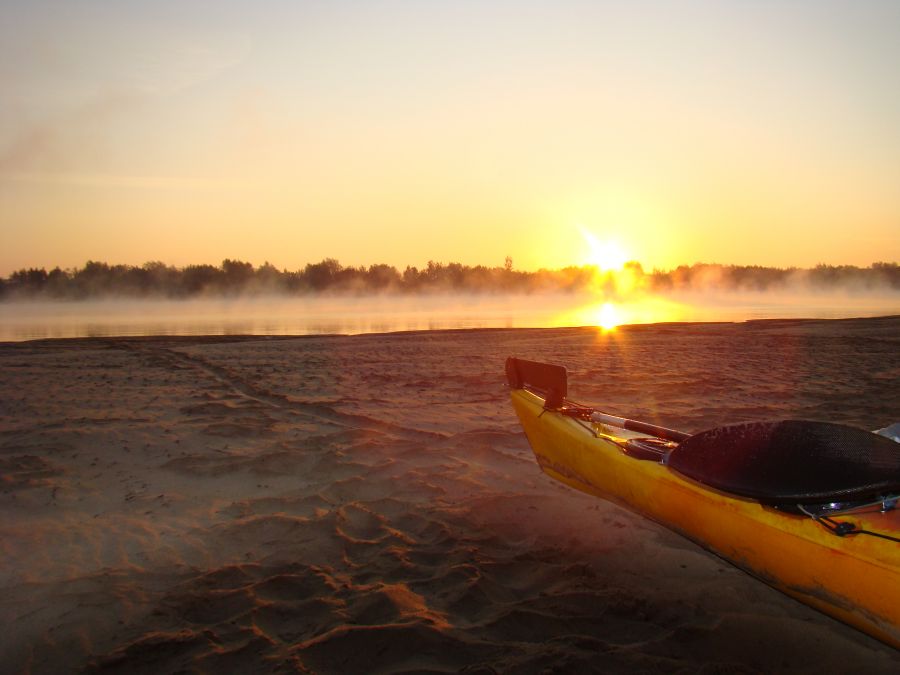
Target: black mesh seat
[[791, 462]]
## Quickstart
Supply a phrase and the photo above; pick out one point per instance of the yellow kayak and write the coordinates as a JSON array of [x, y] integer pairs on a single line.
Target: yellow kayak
[[806, 507]]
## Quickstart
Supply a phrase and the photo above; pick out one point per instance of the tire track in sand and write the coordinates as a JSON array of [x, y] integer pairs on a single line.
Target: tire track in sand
[[239, 385]]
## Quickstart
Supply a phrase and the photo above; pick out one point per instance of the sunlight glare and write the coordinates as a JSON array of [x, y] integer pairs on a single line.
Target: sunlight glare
[[608, 317], [607, 255]]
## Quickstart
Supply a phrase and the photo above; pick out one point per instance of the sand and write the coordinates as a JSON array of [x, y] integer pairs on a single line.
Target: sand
[[368, 504]]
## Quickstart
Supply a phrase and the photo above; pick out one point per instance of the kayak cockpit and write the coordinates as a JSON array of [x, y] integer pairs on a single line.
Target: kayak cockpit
[[791, 462]]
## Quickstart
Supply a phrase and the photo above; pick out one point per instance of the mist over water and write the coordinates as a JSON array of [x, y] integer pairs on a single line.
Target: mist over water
[[341, 314]]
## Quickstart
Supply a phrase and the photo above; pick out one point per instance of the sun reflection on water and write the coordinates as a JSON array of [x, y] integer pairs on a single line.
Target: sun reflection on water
[[607, 315]]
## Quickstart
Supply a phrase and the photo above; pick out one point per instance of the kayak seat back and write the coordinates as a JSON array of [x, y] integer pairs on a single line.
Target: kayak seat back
[[551, 381], [791, 462]]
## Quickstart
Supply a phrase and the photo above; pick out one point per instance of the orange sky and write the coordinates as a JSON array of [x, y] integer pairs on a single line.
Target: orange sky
[[399, 132]]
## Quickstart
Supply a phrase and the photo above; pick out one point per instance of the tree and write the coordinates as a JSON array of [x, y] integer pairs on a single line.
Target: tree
[[268, 278], [323, 274], [381, 277], [236, 274], [199, 279]]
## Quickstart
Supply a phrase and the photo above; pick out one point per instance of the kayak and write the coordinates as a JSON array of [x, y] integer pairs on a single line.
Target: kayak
[[807, 507]]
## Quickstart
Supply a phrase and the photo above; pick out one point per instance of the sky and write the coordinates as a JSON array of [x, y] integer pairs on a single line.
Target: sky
[[755, 132]]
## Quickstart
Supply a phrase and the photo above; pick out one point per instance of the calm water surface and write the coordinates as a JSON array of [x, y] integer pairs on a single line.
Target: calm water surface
[[346, 315]]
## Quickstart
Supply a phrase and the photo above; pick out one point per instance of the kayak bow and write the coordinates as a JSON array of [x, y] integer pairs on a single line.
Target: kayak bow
[[807, 507]]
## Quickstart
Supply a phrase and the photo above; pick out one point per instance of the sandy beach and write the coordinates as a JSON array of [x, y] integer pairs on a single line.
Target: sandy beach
[[368, 504]]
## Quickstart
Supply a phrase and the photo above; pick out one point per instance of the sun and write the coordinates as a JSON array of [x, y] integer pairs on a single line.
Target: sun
[[606, 256]]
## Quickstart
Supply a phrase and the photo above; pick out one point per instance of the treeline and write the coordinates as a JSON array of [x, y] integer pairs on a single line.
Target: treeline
[[234, 277], [879, 275]]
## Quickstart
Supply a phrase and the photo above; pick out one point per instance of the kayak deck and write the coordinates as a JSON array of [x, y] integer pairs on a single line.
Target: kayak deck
[[855, 579]]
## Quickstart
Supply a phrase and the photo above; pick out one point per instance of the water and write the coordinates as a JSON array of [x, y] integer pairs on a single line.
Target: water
[[351, 315]]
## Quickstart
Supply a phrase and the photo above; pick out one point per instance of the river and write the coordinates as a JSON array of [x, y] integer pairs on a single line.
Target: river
[[320, 315]]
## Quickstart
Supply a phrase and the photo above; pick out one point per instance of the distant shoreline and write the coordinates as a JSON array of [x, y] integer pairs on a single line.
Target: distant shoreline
[[214, 338], [233, 278]]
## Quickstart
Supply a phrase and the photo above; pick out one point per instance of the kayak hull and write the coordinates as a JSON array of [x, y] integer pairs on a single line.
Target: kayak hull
[[855, 579]]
